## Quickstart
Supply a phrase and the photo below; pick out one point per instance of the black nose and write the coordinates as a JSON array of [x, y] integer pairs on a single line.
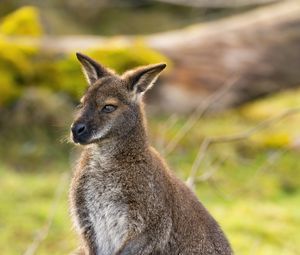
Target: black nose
[[79, 129]]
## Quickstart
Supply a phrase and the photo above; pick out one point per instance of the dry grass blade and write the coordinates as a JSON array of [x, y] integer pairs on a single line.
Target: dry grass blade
[[198, 113], [266, 166], [210, 172], [200, 156], [165, 128], [246, 134], [43, 232], [233, 138]]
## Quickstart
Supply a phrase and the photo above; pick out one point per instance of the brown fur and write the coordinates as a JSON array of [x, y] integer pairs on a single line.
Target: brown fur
[[124, 199]]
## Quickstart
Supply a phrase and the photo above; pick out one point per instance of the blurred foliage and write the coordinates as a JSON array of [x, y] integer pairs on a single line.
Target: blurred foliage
[[119, 58], [34, 133], [115, 17], [16, 69], [23, 66], [15, 59]]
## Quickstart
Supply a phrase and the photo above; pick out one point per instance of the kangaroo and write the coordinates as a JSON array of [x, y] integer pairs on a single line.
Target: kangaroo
[[124, 199]]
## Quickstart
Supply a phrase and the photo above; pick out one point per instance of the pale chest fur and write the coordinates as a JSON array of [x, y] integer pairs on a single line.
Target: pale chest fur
[[99, 209]]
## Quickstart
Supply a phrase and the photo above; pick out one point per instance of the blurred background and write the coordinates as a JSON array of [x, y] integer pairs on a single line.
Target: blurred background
[[225, 114]]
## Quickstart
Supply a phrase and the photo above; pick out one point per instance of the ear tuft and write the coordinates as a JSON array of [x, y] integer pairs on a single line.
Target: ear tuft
[[80, 56], [142, 79], [91, 69]]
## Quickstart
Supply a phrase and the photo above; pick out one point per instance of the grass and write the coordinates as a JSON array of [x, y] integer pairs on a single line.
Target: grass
[[254, 192], [25, 202], [254, 226]]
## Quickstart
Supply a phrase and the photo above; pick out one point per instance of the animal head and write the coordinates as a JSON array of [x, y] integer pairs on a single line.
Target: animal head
[[111, 105]]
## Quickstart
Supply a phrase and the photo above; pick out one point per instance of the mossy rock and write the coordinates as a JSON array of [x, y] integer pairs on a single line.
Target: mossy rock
[[272, 105], [16, 69], [24, 21], [283, 133], [279, 139]]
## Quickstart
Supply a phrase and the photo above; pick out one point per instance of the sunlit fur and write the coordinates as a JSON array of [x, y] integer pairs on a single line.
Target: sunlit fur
[[123, 197]]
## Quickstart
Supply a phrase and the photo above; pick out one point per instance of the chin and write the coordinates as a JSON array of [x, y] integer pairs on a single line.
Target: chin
[[82, 141]]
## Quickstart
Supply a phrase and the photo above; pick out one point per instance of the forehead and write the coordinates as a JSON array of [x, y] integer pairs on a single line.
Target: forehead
[[108, 87]]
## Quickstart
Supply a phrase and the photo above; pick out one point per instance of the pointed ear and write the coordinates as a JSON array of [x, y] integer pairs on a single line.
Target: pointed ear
[[142, 79], [91, 69]]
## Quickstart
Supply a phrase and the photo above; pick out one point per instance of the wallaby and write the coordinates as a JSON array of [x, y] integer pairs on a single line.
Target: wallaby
[[124, 200]]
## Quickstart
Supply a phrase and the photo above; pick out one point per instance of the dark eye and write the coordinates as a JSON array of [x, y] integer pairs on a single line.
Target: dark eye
[[108, 108]]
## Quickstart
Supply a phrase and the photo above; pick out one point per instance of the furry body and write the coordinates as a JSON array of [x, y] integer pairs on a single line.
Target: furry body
[[124, 199]]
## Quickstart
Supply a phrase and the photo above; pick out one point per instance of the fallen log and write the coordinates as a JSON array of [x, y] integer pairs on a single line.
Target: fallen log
[[217, 3], [259, 50]]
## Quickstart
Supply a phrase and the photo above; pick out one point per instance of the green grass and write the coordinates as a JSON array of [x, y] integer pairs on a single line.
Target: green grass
[[261, 226], [254, 226], [25, 203]]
